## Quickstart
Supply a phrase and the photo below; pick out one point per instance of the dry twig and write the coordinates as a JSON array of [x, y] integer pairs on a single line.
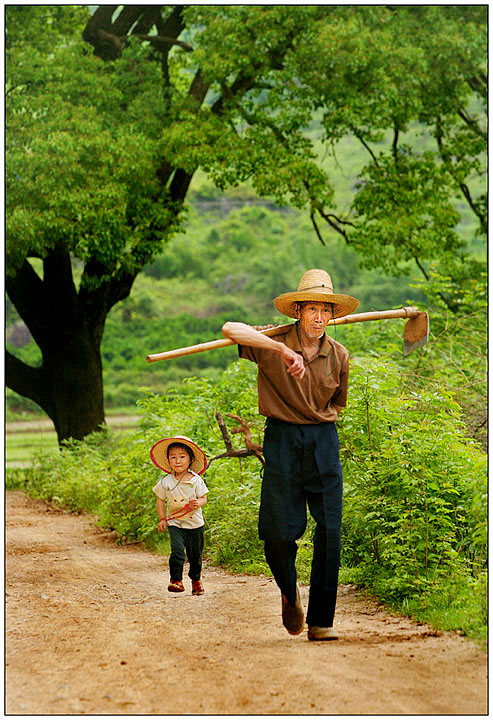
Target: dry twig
[[252, 448]]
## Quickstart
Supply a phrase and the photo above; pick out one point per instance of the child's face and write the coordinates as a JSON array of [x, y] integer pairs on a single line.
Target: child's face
[[179, 460]]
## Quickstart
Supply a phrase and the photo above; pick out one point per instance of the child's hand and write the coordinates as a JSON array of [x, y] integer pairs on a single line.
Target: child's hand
[[194, 504], [162, 525]]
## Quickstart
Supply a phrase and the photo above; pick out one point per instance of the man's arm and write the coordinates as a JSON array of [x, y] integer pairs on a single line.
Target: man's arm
[[245, 335]]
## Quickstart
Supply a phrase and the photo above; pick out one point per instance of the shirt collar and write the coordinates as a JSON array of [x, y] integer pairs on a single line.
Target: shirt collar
[[186, 482], [293, 342]]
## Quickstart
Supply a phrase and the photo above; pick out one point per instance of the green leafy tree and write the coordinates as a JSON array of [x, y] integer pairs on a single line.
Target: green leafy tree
[[102, 147], [409, 84]]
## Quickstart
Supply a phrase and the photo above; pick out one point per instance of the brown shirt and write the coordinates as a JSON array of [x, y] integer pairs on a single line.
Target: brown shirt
[[307, 401]]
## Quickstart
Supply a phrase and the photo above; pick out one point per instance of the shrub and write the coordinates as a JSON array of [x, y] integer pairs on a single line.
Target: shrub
[[413, 485]]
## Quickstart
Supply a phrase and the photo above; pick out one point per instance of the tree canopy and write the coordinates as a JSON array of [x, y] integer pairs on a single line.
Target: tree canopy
[[110, 114]]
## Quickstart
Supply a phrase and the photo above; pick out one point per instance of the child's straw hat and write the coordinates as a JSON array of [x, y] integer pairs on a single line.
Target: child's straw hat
[[315, 285], [160, 458]]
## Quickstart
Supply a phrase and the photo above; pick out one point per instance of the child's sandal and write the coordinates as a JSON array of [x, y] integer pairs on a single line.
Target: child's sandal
[[176, 586], [197, 588]]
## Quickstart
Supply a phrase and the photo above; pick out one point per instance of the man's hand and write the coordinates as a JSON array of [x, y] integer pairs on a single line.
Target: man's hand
[[294, 362]]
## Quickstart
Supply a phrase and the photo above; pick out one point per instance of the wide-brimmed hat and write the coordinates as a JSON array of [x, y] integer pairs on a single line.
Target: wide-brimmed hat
[[160, 458], [315, 285]]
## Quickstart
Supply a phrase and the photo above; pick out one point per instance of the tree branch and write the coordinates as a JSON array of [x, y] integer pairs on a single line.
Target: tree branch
[[198, 88], [395, 143], [252, 448], [58, 276], [27, 293], [99, 22], [127, 18], [479, 83], [462, 185], [471, 123], [163, 43], [245, 429], [359, 137], [336, 223], [315, 227], [25, 380]]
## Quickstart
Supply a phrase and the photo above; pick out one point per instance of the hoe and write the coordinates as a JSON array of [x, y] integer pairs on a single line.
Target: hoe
[[416, 332]]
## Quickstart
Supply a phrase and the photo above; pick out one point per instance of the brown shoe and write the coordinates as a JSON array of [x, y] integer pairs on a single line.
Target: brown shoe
[[322, 633], [293, 617]]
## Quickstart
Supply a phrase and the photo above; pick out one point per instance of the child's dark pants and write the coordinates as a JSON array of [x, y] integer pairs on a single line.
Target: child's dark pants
[[302, 466], [186, 541]]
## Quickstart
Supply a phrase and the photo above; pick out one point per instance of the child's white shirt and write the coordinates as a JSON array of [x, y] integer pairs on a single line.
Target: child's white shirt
[[178, 494]]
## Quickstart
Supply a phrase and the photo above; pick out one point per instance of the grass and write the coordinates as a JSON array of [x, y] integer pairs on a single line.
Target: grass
[[21, 446], [460, 607], [458, 603]]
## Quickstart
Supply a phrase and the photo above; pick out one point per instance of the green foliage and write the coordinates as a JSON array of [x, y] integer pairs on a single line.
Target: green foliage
[[367, 72], [415, 513], [73, 477], [408, 211], [82, 158], [412, 481]]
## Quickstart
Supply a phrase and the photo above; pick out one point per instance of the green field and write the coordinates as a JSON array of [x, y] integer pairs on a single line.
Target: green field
[[25, 438]]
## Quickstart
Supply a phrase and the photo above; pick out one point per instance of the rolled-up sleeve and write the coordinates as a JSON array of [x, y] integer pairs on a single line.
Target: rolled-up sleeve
[[246, 352]]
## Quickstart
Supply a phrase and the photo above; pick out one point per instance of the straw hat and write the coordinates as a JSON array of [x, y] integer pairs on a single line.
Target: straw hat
[[315, 285], [160, 458]]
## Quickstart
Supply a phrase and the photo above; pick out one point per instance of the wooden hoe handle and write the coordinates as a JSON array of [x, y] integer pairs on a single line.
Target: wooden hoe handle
[[405, 312]]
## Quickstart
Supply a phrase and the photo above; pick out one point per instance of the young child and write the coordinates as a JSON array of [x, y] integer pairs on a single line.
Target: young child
[[185, 493]]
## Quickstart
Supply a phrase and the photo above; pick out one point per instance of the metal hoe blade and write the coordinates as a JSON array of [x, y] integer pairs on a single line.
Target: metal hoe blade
[[416, 332]]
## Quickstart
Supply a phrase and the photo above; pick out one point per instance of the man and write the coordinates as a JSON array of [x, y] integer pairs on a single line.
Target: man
[[302, 385]]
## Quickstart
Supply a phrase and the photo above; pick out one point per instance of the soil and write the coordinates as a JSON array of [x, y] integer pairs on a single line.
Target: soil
[[91, 629]]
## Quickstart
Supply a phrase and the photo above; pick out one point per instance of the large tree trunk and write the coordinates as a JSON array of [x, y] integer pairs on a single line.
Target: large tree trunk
[[68, 386], [74, 376], [67, 325]]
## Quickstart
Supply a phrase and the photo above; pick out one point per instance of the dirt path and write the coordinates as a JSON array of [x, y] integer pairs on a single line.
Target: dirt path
[[91, 629]]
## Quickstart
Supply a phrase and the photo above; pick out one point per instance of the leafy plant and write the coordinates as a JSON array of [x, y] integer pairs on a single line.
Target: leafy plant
[[409, 484]]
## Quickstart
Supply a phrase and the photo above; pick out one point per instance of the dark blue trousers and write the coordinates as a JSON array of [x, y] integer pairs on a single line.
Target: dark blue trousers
[[302, 467], [186, 543]]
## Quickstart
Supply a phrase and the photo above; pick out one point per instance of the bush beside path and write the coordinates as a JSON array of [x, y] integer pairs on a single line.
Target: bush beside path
[[91, 629]]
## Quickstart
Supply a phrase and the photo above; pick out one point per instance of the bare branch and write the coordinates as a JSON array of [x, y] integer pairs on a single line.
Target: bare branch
[[336, 223], [359, 136], [471, 123], [245, 429], [252, 449], [395, 143], [315, 227]]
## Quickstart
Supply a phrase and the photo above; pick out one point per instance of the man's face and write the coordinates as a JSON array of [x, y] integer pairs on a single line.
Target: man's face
[[314, 318]]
